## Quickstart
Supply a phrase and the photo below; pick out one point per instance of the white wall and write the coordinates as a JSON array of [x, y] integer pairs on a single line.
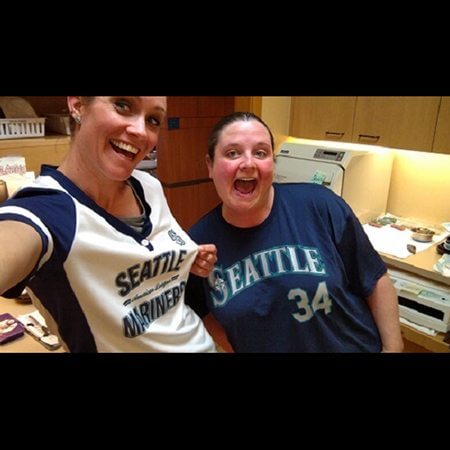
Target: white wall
[[420, 186]]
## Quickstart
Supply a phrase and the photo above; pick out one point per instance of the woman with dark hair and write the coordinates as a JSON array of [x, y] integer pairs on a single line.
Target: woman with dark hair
[[295, 270]]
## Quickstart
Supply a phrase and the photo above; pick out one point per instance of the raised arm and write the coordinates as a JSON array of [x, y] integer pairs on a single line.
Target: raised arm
[[20, 248]]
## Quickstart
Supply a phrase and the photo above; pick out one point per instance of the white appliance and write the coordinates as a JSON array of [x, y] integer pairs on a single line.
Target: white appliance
[[422, 301], [361, 175]]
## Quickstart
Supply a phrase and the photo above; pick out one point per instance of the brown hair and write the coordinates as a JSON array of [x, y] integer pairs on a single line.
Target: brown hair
[[227, 120]]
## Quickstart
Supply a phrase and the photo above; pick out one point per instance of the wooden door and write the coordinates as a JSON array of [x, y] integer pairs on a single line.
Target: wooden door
[[182, 150], [181, 153], [189, 203], [248, 104]]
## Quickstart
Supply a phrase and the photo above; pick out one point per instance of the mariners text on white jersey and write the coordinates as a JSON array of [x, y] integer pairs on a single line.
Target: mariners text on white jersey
[[101, 285]]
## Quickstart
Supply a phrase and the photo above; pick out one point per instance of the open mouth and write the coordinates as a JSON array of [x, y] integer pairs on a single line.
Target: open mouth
[[124, 149], [245, 186]]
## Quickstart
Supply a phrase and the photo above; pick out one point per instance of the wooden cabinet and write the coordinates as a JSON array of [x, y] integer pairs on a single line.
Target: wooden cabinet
[[250, 104], [189, 203], [37, 151], [183, 142], [399, 122], [322, 118], [441, 142], [182, 148], [203, 106]]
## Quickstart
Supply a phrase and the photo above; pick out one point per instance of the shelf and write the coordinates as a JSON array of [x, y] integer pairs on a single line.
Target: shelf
[[34, 141], [37, 151]]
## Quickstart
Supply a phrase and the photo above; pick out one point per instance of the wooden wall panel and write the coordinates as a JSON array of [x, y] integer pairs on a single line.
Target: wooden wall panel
[[189, 203], [181, 155], [47, 105]]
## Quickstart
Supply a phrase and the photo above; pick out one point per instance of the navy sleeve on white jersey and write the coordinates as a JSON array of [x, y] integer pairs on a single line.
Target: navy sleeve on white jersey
[[52, 214]]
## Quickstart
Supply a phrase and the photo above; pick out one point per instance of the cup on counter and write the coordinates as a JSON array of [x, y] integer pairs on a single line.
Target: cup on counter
[[447, 244], [3, 191]]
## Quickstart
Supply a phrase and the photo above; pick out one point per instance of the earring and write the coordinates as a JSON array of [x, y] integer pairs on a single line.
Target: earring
[[77, 119]]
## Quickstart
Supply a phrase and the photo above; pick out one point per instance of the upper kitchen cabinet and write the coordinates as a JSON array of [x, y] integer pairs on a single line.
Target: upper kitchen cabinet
[[399, 122], [441, 142], [322, 118]]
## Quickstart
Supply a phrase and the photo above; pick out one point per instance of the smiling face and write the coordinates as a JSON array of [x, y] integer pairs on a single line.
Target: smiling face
[[115, 133], [242, 171]]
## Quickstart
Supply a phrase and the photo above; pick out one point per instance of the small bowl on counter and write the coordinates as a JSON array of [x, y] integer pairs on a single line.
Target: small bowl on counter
[[421, 234]]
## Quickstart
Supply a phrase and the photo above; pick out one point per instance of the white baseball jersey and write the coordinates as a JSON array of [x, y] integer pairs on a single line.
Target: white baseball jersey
[[102, 286]]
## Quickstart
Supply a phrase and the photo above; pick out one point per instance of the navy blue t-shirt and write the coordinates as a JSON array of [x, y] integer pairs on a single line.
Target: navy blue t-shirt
[[298, 282]]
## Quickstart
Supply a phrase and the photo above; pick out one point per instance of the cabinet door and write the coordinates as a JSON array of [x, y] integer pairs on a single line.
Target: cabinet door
[[250, 104], [202, 106], [182, 150], [189, 203], [182, 106], [442, 136], [215, 106], [183, 142], [400, 122], [322, 118]]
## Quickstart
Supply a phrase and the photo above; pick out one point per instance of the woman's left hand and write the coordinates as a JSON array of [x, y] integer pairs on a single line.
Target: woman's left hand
[[206, 258]]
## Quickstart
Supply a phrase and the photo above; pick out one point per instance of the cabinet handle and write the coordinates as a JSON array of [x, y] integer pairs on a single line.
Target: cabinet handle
[[334, 134], [369, 137]]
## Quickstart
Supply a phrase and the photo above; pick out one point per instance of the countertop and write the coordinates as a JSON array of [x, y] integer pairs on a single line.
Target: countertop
[[420, 264], [25, 344]]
